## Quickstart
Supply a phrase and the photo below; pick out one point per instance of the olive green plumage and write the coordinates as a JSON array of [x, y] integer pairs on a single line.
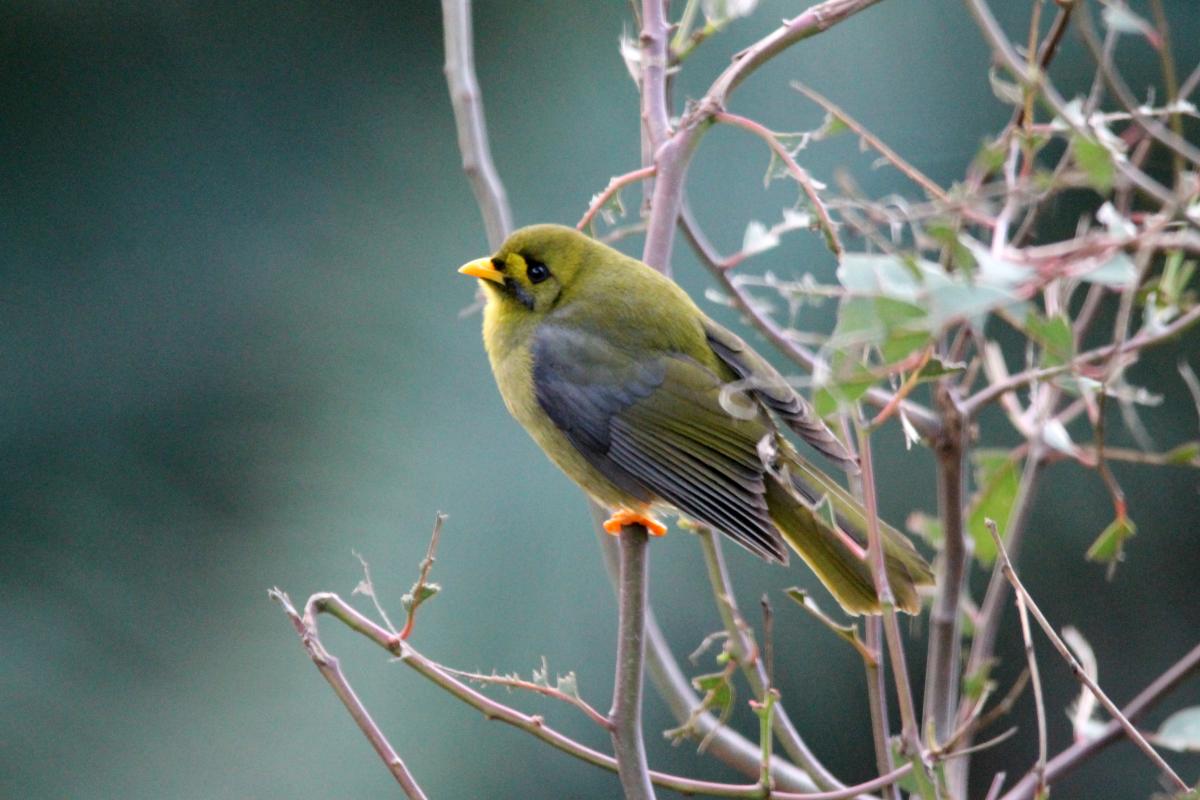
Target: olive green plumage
[[646, 403]]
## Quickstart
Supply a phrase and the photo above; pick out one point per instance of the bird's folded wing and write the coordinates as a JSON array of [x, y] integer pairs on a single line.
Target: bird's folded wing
[[776, 393], [655, 422]]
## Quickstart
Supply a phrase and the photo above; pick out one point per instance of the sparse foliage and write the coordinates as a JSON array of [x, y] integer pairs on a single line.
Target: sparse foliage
[[967, 291]]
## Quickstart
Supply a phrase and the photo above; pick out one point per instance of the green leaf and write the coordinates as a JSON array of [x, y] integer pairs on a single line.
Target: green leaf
[[1005, 91], [1181, 731], [824, 511], [979, 681], [1177, 274], [1119, 18], [758, 238], [1085, 721], [716, 688], [418, 595], [1096, 162], [1109, 547], [847, 381], [927, 526], [947, 236], [1119, 272], [998, 479], [1183, 455], [905, 328], [990, 157], [849, 633], [918, 782], [830, 128], [1055, 336], [937, 368]]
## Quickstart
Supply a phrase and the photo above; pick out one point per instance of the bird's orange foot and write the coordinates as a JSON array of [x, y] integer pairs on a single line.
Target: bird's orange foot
[[624, 517]]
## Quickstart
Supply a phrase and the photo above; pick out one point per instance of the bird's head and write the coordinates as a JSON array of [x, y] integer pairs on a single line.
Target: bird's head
[[536, 268]]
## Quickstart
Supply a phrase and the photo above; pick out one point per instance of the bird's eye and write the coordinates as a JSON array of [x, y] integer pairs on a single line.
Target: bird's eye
[[536, 270]]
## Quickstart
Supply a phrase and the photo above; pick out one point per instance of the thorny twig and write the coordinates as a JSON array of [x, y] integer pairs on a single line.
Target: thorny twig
[[1132, 732], [327, 603]]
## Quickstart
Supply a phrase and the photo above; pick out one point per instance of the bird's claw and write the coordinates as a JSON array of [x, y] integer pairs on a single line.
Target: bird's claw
[[624, 517]]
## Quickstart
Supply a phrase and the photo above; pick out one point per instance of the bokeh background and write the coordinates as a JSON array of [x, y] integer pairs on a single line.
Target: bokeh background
[[232, 351]]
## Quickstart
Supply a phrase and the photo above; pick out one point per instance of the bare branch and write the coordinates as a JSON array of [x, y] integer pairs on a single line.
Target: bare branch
[[724, 743], [326, 603], [945, 638], [915, 175], [512, 682], [614, 186], [468, 116], [828, 226], [753, 667], [1039, 769], [331, 670], [626, 713], [1078, 671], [1007, 54], [976, 402], [922, 418], [910, 732], [1068, 760]]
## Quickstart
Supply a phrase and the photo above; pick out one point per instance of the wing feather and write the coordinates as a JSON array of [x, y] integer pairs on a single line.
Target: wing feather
[[654, 425]]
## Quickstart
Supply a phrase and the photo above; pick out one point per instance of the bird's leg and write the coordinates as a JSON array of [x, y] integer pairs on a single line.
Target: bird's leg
[[622, 517]]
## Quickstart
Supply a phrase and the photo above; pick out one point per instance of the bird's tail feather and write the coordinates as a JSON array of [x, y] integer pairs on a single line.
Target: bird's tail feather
[[836, 553]]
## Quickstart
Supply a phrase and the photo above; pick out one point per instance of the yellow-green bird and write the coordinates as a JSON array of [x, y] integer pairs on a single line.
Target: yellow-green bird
[[650, 406]]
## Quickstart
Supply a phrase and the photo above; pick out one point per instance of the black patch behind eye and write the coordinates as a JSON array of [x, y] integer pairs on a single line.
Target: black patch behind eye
[[535, 270], [518, 291]]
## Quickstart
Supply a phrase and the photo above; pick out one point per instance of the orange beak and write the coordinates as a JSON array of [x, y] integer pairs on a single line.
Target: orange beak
[[483, 269]]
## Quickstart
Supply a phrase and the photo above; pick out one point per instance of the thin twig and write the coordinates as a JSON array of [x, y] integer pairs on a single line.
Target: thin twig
[[615, 185], [1007, 54], [327, 603], [544, 689], [828, 226], [877, 698], [944, 657], [1190, 83], [469, 119], [895, 159], [367, 586], [330, 669], [924, 420], [417, 595], [672, 155], [1079, 752], [754, 668], [873, 661], [1078, 671], [1039, 701], [909, 731], [1116, 84], [976, 402], [724, 743], [997, 785], [1049, 49], [1170, 78]]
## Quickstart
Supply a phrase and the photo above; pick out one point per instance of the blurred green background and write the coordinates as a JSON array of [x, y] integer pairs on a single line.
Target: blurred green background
[[231, 352]]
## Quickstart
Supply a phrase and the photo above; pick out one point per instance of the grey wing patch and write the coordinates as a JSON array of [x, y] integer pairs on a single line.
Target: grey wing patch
[[581, 383], [776, 393], [678, 445]]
